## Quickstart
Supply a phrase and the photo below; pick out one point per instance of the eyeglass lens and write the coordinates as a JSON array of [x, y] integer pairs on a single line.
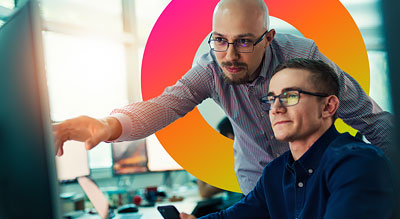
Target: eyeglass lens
[[287, 98], [222, 45]]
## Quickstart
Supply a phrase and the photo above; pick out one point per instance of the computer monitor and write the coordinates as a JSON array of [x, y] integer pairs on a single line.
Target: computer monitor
[[129, 157], [28, 182], [144, 155], [159, 159], [391, 18]]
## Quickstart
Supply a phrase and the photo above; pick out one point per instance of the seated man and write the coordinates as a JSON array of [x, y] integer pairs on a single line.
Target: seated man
[[325, 174]]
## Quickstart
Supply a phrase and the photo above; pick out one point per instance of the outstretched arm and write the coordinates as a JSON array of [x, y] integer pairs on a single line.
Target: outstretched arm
[[86, 129], [139, 120]]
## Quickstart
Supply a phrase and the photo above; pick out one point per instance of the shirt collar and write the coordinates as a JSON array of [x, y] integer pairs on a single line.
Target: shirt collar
[[266, 62], [311, 159]]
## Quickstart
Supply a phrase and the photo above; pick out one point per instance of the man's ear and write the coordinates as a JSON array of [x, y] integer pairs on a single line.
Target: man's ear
[[330, 107], [269, 37]]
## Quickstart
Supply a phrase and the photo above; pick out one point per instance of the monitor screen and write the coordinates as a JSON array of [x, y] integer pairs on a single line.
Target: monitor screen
[[129, 157], [74, 162], [28, 182], [159, 159]]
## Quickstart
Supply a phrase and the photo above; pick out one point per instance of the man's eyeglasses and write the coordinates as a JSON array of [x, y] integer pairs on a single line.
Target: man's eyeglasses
[[288, 98], [218, 44]]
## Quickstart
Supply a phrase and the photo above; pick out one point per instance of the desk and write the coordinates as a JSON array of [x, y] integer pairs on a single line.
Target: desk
[[191, 197], [186, 205]]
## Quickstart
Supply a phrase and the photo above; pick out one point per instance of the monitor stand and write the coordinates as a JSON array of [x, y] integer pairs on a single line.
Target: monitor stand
[[95, 196]]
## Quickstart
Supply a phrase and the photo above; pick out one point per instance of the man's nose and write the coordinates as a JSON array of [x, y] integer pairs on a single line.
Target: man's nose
[[277, 107], [232, 53]]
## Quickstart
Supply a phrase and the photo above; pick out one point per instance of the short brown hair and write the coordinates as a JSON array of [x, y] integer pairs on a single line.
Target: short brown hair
[[323, 77]]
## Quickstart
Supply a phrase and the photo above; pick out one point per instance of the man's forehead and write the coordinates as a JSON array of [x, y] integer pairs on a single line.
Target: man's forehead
[[238, 14], [235, 35], [284, 89], [290, 78], [239, 24], [227, 6]]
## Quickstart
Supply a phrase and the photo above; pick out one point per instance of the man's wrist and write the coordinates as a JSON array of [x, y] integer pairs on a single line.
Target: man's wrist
[[114, 127]]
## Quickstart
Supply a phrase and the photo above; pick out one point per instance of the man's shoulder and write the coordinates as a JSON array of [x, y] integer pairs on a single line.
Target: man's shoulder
[[352, 163], [346, 146], [204, 66], [292, 45], [206, 60], [345, 143], [290, 38]]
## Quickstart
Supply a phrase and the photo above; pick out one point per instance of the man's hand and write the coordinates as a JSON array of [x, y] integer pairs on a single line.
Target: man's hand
[[183, 215], [85, 129]]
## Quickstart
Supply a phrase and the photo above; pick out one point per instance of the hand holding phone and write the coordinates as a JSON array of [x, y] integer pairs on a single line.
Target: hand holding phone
[[168, 212]]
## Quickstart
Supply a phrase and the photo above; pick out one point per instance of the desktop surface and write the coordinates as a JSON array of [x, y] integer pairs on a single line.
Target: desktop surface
[[189, 202]]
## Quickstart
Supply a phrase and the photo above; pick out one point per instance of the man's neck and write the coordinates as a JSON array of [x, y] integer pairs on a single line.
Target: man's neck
[[299, 146], [257, 72]]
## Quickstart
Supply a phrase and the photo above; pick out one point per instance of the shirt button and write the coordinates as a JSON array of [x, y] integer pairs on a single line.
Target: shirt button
[[261, 115], [300, 184], [310, 171]]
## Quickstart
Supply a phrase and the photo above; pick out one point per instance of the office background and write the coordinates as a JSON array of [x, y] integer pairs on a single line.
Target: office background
[[93, 52]]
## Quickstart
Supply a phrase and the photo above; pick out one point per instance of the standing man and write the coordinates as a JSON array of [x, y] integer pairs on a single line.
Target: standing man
[[235, 74], [325, 174]]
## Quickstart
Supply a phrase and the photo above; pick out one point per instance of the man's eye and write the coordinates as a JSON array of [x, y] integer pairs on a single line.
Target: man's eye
[[284, 98], [219, 39], [270, 99], [244, 41]]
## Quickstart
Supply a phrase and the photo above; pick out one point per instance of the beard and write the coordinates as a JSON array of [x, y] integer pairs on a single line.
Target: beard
[[242, 80]]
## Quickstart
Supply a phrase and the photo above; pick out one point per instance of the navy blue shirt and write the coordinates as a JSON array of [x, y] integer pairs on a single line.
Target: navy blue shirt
[[337, 177]]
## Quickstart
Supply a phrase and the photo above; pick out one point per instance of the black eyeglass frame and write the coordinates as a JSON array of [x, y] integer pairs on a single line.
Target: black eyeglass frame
[[267, 102], [236, 42]]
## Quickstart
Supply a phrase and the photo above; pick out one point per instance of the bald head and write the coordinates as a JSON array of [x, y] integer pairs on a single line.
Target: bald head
[[241, 21], [245, 9]]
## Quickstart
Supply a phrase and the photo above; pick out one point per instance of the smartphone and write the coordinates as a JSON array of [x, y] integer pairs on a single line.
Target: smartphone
[[168, 212]]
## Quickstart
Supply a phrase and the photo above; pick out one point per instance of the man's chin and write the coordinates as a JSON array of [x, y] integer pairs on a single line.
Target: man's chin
[[283, 137], [238, 80]]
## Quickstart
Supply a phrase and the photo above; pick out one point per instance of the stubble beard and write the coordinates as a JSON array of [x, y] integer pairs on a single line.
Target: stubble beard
[[242, 80]]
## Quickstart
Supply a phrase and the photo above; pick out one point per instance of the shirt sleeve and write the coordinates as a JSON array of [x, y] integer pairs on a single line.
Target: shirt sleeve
[[361, 186], [359, 110], [142, 119], [253, 205]]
